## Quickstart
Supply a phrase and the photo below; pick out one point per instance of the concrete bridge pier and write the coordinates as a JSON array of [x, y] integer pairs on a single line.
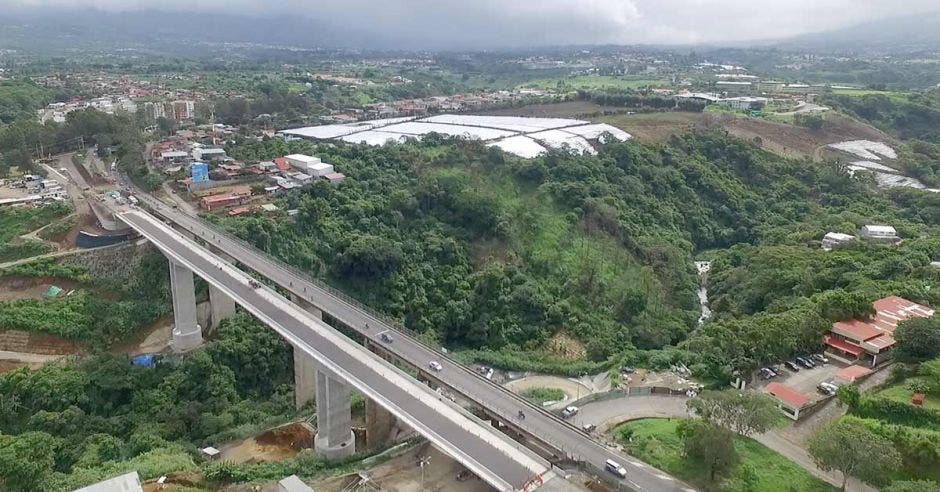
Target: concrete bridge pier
[[335, 438], [305, 367], [186, 331], [221, 307]]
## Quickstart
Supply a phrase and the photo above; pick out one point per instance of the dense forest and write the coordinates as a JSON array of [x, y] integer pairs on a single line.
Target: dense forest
[[70, 424], [484, 251]]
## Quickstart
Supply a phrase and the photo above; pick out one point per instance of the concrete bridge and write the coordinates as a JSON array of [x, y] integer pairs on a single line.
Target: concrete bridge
[[328, 365]]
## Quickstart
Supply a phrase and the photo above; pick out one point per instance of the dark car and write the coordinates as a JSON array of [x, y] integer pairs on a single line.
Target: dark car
[[773, 370], [386, 338], [792, 366], [806, 362]]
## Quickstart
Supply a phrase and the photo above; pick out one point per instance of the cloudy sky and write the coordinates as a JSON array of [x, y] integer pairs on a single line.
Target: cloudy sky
[[495, 23]]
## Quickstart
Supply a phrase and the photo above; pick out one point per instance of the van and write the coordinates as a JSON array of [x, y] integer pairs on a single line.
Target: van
[[616, 469]]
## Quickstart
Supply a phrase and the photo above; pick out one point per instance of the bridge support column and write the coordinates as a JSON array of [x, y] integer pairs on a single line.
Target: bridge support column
[[221, 307], [335, 438], [186, 332], [379, 424], [305, 368]]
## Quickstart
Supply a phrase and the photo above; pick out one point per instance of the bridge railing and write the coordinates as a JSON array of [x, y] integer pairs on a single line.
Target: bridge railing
[[167, 212]]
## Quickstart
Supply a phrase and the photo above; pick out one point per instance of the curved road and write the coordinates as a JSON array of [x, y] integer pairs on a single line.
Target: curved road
[[574, 443]]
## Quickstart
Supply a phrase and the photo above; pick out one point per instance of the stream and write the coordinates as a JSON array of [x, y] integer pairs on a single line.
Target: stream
[[703, 267]]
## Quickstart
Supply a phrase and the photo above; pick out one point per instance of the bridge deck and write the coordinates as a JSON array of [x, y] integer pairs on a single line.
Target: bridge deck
[[492, 455], [496, 399]]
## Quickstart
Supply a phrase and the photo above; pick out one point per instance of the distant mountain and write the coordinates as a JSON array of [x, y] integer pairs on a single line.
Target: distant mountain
[[898, 34], [44, 30]]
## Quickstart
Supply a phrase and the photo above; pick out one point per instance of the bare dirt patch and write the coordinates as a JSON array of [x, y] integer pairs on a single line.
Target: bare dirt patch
[[17, 287], [150, 340], [36, 343], [654, 127], [402, 474], [797, 141], [276, 444], [566, 347]]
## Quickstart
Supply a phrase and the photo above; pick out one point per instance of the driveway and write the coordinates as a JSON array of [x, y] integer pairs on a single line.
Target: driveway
[[607, 414]]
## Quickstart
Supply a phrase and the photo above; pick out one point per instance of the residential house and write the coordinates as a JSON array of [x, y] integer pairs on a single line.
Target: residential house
[[879, 233], [836, 240]]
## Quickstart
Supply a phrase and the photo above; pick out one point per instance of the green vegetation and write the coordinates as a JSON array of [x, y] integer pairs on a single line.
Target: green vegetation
[[657, 442], [542, 395], [99, 313], [887, 412], [15, 222], [595, 82], [58, 229], [76, 423], [851, 448], [487, 252]]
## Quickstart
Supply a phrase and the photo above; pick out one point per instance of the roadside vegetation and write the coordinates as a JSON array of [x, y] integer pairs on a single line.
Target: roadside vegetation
[[659, 442], [542, 395], [106, 416], [15, 222]]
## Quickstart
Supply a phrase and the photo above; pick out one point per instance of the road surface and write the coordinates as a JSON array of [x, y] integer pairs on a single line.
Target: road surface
[[500, 401], [472, 442]]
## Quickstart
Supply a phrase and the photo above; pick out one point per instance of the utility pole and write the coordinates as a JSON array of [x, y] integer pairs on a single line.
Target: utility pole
[[423, 463]]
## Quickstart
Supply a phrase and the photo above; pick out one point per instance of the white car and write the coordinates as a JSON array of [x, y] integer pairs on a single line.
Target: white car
[[616, 469], [569, 411], [435, 365]]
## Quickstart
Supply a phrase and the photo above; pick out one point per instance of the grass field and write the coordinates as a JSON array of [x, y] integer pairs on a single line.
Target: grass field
[[900, 393], [542, 395], [655, 441], [596, 82]]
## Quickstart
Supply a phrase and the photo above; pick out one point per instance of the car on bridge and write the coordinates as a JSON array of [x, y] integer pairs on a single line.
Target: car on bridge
[[435, 365]]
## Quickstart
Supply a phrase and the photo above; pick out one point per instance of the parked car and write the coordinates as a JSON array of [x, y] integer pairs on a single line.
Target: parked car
[[827, 388], [773, 371], [589, 428], [766, 373], [435, 365], [821, 358], [803, 361], [386, 337], [792, 366], [616, 469], [569, 411], [627, 370]]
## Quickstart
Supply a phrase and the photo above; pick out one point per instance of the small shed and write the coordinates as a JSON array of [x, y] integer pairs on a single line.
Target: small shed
[[209, 453], [789, 400], [852, 373]]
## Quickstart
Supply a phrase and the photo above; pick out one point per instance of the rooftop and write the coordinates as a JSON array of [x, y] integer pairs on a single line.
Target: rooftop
[[852, 373], [787, 395]]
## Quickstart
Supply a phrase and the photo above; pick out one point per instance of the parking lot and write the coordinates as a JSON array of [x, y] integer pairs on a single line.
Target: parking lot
[[804, 381]]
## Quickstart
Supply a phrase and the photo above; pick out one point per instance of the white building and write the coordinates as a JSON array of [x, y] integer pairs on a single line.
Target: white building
[[301, 162], [835, 240], [207, 154], [320, 169], [880, 233]]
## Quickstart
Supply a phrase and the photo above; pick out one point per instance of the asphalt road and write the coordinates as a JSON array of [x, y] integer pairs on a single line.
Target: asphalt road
[[493, 450], [537, 422]]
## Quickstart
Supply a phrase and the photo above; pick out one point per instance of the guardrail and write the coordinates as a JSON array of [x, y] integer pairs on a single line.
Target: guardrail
[[168, 212]]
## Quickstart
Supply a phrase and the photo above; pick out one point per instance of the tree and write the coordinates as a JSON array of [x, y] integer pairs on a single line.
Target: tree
[[848, 446], [912, 486], [742, 412], [918, 339], [837, 305], [708, 444], [26, 459]]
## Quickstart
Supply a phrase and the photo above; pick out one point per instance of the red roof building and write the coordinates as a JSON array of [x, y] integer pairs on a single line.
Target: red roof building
[[852, 374], [790, 401], [858, 339], [282, 164]]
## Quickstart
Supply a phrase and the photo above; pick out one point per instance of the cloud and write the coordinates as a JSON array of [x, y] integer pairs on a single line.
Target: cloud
[[505, 23]]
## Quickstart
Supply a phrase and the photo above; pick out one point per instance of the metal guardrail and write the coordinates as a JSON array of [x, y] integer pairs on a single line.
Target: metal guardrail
[[168, 212]]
